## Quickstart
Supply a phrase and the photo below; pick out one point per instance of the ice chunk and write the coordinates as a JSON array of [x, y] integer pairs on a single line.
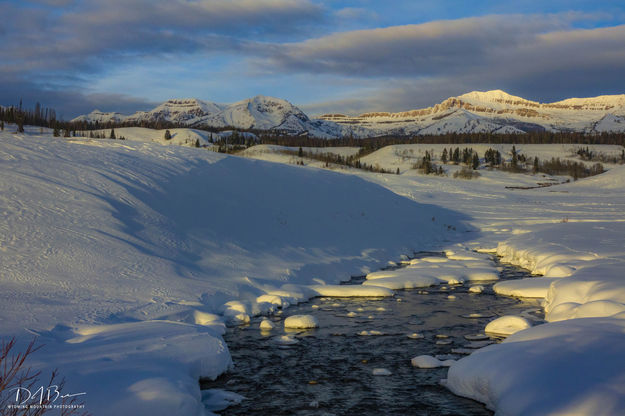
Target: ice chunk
[[370, 333], [286, 340], [507, 325], [427, 361], [381, 372], [415, 335], [476, 337], [301, 321]]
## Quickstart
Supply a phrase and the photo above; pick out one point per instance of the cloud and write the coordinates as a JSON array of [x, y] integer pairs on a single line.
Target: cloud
[[539, 57], [94, 32], [451, 46], [60, 45]]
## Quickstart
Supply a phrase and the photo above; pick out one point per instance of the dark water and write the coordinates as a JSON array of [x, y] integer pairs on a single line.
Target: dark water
[[329, 370]]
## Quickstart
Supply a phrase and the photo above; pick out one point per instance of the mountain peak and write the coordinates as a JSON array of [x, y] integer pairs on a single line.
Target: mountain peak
[[492, 96]]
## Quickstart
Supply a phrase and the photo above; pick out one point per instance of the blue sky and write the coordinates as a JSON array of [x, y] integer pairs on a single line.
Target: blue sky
[[339, 56]]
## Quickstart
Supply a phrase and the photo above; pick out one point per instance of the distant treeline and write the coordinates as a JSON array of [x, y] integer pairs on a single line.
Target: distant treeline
[[451, 138], [38, 116]]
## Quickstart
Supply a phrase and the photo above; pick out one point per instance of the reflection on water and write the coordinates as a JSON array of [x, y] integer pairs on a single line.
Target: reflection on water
[[329, 370]]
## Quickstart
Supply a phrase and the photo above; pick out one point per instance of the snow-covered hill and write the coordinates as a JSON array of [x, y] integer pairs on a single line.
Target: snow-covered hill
[[475, 112]]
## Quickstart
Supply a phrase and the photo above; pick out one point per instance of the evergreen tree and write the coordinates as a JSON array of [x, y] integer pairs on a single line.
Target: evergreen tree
[[300, 152], [536, 166], [167, 135], [66, 133], [197, 142], [397, 171], [112, 136], [444, 156], [20, 121], [515, 161], [1, 125], [56, 132], [456, 157], [476, 161]]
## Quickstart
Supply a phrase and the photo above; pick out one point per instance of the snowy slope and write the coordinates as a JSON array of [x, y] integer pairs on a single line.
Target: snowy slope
[[121, 256], [183, 137]]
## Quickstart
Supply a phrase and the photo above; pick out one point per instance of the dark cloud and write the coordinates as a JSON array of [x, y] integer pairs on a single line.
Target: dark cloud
[[540, 58], [69, 102], [53, 46]]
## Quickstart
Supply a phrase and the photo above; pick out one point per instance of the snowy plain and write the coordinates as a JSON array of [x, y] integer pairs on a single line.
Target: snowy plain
[[128, 259]]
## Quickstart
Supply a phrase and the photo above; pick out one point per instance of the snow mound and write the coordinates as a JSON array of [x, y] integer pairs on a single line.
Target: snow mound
[[301, 321], [266, 325], [507, 325], [351, 291]]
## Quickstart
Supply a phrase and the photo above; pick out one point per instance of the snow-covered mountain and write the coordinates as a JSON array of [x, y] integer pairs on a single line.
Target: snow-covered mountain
[[475, 112], [182, 111], [257, 113], [101, 117], [496, 112]]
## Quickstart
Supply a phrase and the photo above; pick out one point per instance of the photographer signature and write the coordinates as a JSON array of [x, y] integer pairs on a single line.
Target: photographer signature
[[44, 395]]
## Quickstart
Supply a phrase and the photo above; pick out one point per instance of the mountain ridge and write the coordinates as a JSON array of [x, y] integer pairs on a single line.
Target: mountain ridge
[[493, 111]]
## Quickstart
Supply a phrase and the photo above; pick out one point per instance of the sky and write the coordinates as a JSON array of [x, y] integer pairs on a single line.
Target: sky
[[323, 56]]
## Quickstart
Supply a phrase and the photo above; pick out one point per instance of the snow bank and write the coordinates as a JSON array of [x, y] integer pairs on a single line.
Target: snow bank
[[570, 367], [533, 287], [428, 271], [146, 367], [586, 278]]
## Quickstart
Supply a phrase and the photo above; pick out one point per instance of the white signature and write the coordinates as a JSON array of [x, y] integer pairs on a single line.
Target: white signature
[[48, 395]]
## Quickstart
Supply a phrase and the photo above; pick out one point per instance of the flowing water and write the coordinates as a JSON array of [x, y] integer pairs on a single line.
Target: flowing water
[[329, 371]]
